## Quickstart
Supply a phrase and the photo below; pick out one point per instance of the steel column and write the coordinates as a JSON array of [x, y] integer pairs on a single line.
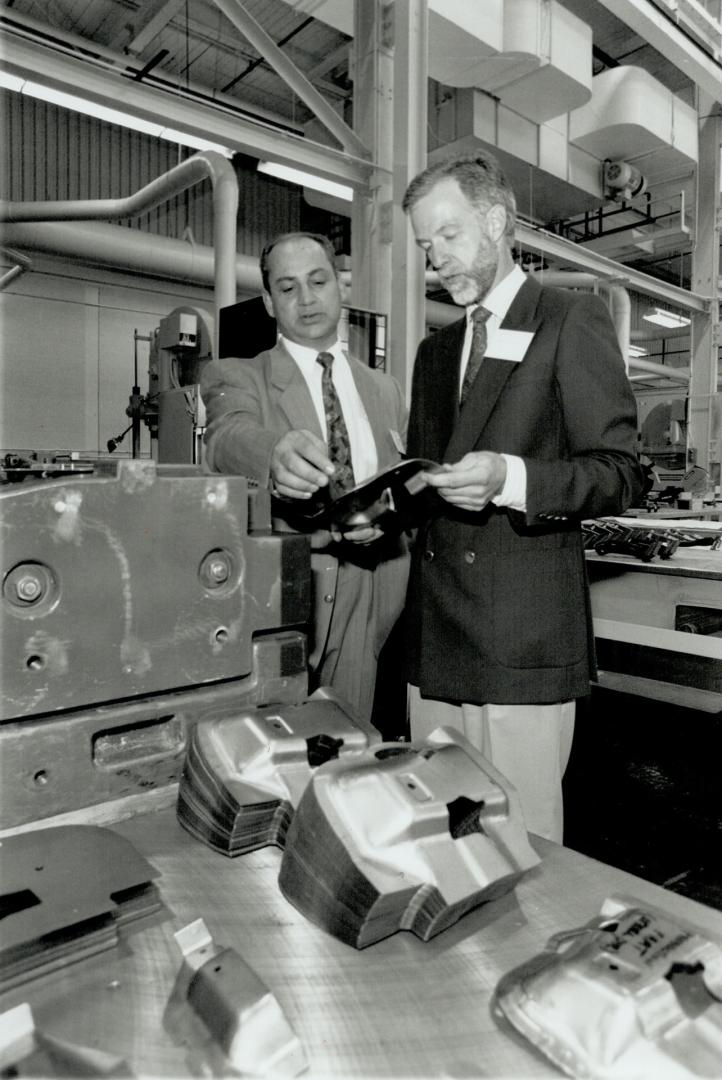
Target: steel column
[[373, 71], [705, 406], [411, 52]]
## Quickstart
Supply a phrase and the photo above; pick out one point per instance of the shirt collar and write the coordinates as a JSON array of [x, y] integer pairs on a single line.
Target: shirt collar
[[499, 299], [303, 354]]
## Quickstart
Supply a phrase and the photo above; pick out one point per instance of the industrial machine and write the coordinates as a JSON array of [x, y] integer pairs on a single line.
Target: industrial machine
[[172, 408], [135, 597]]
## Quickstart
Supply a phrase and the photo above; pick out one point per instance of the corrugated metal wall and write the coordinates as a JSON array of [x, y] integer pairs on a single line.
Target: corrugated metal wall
[[52, 153]]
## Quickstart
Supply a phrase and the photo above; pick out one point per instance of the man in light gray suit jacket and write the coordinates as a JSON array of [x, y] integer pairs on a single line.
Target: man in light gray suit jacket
[[266, 420]]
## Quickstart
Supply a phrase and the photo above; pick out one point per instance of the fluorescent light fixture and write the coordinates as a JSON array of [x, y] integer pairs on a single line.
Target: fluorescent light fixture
[[90, 108], [667, 318], [304, 179], [194, 141], [636, 350], [10, 82], [110, 116]]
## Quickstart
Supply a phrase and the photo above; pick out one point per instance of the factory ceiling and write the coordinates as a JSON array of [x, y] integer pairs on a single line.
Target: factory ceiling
[[192, 47]]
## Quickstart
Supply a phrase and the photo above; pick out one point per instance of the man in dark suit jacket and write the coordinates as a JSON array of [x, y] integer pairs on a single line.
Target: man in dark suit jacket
[[266, 420], [498, 622]]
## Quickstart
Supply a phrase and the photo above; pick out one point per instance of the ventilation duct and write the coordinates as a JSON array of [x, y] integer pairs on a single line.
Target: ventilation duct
[[632, 116], [545, 66], [534, 55]]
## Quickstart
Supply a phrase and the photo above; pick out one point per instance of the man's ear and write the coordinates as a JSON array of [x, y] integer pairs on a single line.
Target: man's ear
[[268, 304], [496, 222]]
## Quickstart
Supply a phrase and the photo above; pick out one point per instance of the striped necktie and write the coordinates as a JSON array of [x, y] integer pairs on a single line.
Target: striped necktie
[[339, 444], [476, 353]]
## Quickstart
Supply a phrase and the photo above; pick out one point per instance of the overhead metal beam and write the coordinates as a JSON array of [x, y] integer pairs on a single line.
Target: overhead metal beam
[[337, 56], [295, 79], [30, 60], [29, 29], [571, 254], [663, 34], [154, 25]]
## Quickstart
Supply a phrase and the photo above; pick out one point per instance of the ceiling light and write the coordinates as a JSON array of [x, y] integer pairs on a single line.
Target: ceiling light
[[296, 176], [194, 141], [110, 116], [11, 82], [636, 350], [90, 108], [667, 318]]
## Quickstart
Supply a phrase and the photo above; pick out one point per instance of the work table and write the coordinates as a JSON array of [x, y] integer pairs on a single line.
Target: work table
[[400, 1008]]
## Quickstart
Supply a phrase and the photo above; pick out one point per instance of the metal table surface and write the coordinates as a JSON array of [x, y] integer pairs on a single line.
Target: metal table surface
[[400, 1008], [689, 562]]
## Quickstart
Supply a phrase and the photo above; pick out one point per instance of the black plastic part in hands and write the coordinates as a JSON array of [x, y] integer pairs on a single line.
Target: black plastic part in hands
[[392, 499]]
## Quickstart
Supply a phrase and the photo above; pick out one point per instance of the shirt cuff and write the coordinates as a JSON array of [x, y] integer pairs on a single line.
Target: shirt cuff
[[513, 493]]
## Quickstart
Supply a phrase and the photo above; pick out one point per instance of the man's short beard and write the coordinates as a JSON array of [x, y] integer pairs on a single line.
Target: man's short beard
[[476, 285]]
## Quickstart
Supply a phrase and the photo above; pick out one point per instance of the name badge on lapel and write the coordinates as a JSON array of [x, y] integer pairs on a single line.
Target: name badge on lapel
[[509, 344]]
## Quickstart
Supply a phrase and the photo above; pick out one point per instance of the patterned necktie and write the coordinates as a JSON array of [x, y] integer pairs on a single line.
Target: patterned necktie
[[339, 445], [476, 353]]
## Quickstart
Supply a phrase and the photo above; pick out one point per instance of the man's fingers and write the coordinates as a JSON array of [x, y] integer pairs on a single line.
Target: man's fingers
[[300, 463]]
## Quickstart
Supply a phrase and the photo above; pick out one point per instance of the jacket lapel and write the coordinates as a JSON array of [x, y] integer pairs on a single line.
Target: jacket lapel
[[493, 376], [294, 397]]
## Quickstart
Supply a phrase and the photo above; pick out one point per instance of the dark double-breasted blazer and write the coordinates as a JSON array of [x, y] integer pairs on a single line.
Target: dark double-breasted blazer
[[498, 602]]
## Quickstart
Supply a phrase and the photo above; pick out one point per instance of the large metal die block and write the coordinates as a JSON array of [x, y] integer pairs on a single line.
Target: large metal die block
[[134, 599], [138, 580], [88, 756]]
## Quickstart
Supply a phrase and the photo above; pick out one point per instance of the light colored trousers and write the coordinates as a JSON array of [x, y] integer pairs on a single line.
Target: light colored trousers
[[529, 744]]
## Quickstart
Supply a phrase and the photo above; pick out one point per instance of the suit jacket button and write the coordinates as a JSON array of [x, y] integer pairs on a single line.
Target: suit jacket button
[[428, 555], [469, 556], [328, 598]]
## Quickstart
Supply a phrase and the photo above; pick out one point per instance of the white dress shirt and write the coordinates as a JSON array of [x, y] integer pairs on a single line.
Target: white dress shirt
[[498, 302], [363, 444]]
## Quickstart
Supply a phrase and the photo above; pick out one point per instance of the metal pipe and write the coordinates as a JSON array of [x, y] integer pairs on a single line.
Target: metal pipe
[[109, 245], [22, 263], [99, 244], [664, 371], [205, 164]]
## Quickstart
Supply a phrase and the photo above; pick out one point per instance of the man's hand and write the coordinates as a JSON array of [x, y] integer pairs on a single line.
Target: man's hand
[[300, 464], [364, 535], [471, 482]]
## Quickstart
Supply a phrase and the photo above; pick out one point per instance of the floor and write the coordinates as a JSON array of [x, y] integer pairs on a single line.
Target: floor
[[643, 791]]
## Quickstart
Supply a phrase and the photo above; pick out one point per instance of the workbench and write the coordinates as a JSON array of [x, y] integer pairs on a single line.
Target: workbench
[[400, 1008], [638, 610]]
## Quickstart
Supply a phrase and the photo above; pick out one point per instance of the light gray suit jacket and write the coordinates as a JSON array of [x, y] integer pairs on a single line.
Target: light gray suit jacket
[[251, 402], [358, 594]]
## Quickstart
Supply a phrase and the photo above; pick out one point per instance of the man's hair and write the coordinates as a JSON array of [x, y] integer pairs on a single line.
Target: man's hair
[[319, 238], [480, 177]]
